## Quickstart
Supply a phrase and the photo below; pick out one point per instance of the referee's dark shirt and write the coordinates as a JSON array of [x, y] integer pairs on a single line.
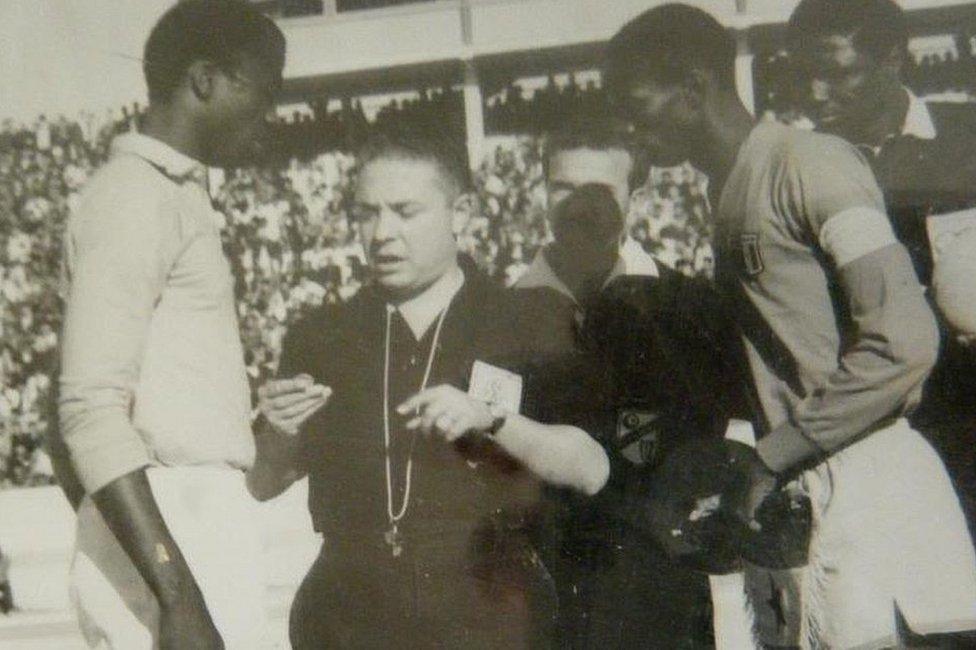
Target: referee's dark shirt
[[455, 487]]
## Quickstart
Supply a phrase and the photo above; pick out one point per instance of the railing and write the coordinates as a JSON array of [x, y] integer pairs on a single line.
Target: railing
[[298, 8], [774, 10]]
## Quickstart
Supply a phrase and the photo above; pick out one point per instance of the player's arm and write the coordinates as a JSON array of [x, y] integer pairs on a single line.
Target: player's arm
[[64, 471], [121, 252], [561, 455], [893, 338]]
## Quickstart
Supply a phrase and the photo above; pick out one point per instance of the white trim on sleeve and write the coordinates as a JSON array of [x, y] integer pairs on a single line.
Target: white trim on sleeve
[[854, 233]]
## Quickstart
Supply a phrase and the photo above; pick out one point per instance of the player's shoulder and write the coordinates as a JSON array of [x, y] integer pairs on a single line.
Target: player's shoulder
[[544, 319], [125, 177], [670, 295], [125, 191], [793, 148]]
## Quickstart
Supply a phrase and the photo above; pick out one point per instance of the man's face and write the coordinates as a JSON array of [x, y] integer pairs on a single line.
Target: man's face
[[574, 168], [238, 113], [406, 212], [665, 125], [844, 91], [591, 247]]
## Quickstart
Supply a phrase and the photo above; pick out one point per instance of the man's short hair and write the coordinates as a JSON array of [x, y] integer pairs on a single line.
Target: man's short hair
[[442, 147], [668, 42], [596, 134], [587, 133], [876, 26], [221, 31]]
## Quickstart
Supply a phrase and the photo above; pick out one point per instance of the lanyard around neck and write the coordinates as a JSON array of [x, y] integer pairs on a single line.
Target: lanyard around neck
[[394, 518]]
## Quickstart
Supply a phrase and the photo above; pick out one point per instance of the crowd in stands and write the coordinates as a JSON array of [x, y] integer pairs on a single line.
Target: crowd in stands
[[42, 168], [513, 111]]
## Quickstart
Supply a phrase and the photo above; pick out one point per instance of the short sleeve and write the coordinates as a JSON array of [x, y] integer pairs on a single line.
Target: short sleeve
[[828, 185]]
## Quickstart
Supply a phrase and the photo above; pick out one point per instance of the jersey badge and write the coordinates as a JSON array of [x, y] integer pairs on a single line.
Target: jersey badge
[[752, 259]]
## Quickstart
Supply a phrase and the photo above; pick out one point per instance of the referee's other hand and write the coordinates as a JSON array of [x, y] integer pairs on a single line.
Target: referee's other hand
[[447, 412], [287, 403]]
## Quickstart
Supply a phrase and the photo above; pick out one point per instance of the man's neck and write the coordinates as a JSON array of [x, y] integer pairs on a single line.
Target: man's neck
[[583, 285], [728, 125], [170, 126], [420, 309], [891, 120]]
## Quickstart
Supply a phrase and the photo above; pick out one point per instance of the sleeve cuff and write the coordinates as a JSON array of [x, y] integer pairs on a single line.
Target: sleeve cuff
[[100, 466], [785, 447]]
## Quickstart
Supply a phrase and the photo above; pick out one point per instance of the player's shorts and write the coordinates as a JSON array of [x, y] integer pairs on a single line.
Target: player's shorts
[[889, 539], [211, 517]]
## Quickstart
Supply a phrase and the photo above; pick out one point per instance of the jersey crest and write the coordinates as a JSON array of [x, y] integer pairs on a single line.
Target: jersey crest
[[638, 439], [752, 260]]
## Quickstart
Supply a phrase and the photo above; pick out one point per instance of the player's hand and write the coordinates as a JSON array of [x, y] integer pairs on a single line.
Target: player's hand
[[186, 625], [756, 483], [446, 411], [287, 403]]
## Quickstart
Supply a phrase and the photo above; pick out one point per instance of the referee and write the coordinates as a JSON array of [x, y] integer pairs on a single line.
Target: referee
[[424, 469]]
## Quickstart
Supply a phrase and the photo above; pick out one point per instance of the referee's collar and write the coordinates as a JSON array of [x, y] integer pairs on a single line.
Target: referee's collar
[[178, 166], [422, 310]]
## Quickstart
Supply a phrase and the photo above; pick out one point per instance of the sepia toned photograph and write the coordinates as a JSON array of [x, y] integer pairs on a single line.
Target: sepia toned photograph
[[487, 324]]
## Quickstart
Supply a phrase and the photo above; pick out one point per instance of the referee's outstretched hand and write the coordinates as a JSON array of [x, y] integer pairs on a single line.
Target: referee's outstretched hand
[[287, 403], [446, 411]]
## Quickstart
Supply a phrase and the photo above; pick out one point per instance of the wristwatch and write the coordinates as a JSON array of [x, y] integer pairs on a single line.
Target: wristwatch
[[499, 416]]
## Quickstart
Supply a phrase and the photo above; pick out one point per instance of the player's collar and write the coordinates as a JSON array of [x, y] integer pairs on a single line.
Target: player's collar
[[422, 310], [918, 119], [918, 123], [632, 260], [160, 155]]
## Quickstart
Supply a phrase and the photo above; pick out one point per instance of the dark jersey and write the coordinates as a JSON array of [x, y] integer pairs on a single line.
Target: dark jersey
[[926, 181], [927, 178], [656, 362]]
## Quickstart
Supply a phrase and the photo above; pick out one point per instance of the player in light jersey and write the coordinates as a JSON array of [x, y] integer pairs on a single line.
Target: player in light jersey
[[840, 340]]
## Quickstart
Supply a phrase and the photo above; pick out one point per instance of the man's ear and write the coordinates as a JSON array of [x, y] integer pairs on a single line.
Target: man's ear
[[464, 207], [202, 78], [696, 86]]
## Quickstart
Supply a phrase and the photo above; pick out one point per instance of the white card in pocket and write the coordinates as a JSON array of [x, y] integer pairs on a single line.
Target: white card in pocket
[[496, 385]]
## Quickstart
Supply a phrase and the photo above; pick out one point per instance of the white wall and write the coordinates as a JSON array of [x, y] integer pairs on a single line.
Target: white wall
[[63, 56]]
